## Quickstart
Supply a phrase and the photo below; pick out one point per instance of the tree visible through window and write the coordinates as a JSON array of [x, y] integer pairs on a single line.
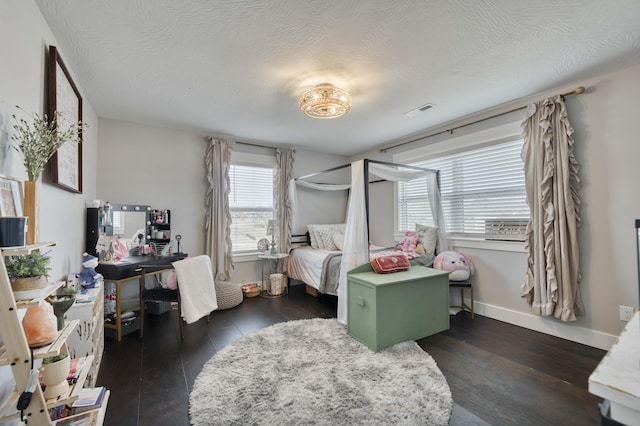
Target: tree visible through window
[[251, 203]]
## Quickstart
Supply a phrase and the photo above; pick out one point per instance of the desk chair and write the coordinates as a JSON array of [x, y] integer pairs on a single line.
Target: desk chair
[[196, 293], [462, 285]]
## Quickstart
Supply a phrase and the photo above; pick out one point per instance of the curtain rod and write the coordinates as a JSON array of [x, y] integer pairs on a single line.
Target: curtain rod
[[210, 138], [578, 91]]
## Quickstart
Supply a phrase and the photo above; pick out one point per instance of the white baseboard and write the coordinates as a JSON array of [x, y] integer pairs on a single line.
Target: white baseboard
[[549, 326]]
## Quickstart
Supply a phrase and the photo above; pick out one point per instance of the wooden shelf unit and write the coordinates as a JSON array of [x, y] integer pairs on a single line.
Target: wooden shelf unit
[[16, 352]]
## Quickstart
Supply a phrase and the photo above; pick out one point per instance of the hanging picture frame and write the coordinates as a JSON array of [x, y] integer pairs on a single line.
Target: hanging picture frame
[[64, 97], [10, 197]]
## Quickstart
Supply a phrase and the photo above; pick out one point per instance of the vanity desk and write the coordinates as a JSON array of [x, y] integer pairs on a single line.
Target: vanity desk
[[126, 270]]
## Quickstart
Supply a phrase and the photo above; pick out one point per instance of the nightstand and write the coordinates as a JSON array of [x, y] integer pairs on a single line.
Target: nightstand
[[274, 265]]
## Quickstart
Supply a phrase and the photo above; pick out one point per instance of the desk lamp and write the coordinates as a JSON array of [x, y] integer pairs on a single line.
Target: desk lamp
[[271, 230], [140, 245]]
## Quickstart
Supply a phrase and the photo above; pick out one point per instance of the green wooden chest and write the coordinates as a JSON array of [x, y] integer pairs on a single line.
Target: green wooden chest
[[385, 309]]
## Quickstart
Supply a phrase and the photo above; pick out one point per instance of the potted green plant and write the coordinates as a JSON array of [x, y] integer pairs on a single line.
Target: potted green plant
[[28, 271]]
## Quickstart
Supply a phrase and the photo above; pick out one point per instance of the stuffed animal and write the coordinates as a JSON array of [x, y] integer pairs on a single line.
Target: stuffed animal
[[458, 264], [409, 242], [88, 276], [172, 281]]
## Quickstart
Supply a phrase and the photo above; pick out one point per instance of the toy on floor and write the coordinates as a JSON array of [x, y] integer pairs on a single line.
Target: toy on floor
[[458, 264]]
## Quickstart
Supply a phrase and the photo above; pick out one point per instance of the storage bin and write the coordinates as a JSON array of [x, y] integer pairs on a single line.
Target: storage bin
[[277, 284], [126, 328], [13, 231], [157, 307]]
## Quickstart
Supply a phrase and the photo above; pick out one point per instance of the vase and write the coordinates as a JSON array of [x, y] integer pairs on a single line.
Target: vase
[[54, 376], [31, 209], [61, 304]]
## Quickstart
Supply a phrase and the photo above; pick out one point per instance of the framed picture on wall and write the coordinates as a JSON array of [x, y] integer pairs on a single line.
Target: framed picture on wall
[[10, 197], [64, 97]]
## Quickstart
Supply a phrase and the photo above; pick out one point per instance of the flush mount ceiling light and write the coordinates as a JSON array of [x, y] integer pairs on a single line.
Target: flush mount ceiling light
[[325, 101]]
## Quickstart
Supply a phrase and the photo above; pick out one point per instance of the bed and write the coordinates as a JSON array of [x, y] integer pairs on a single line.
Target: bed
[[335, 249], [317, 268], [320, 268]]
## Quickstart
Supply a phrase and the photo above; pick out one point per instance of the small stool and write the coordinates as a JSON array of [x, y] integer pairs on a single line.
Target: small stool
[[462, 285], [228, 294]]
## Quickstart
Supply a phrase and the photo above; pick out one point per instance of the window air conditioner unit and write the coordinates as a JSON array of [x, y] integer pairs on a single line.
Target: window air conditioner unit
[[507, 229]]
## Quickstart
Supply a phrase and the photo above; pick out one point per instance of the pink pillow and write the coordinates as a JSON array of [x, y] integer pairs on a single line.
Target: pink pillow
[[390, 263]]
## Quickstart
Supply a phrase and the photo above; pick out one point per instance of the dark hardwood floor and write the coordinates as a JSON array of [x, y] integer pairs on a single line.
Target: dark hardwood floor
[[498, 373]]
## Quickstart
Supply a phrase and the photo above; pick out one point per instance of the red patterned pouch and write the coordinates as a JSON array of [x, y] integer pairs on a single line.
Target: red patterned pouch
[[390, 263]]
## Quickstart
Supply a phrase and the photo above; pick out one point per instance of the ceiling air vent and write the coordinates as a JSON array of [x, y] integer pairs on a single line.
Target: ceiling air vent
[[418, 110]]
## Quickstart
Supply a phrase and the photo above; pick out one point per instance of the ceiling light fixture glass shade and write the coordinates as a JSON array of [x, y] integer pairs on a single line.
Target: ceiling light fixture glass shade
[[325, 101]]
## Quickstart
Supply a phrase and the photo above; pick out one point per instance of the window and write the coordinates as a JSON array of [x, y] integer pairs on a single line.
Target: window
[[118, 219], [476, 185], [251, 200]]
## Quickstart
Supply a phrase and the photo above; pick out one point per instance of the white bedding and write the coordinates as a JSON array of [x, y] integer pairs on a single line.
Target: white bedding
[[320, 268], [305, 264]]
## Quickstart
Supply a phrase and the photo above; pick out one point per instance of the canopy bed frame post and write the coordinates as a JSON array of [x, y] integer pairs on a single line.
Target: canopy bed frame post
[[366, 194], [638, 253]]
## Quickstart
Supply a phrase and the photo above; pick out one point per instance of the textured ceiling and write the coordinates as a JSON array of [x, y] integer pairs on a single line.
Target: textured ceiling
[[237, 67]]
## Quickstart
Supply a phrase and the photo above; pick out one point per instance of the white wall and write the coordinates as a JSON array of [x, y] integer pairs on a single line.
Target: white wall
[[165, 169], [605, 124], [158, 167], [24, 43]]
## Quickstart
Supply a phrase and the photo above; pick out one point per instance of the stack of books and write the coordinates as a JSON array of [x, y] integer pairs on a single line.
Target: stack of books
[[89, 399], [84, 411]]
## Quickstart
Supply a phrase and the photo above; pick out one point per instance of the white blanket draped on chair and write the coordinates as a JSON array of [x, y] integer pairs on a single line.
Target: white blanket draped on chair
[[196, 286]]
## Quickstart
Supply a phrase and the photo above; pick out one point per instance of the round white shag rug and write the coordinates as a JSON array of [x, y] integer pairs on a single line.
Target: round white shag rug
[[311, 372]]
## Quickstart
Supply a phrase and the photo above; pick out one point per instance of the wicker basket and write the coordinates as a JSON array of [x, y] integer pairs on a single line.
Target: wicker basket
[[30, 283], [250, 289], [228, 294]]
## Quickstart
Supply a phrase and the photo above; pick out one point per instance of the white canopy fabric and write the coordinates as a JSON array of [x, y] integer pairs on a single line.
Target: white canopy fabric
[[324, 186], [356, 242], [395, 174]]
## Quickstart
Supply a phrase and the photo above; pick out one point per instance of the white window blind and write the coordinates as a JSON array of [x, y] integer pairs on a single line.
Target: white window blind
[[476, 185], [118, 219], [251, 204]]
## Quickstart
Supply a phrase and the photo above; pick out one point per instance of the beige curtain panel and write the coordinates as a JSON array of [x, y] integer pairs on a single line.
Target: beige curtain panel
[[218, 215], [284, 175], [551, 173]]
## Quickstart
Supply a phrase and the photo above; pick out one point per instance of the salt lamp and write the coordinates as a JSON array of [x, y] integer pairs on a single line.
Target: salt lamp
[[40, 325]]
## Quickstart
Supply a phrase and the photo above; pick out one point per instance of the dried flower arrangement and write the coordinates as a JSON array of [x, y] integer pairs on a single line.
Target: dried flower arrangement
[[39, 141]]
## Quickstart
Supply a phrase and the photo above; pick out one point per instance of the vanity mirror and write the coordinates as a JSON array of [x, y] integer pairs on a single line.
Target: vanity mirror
[[127, 221]]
